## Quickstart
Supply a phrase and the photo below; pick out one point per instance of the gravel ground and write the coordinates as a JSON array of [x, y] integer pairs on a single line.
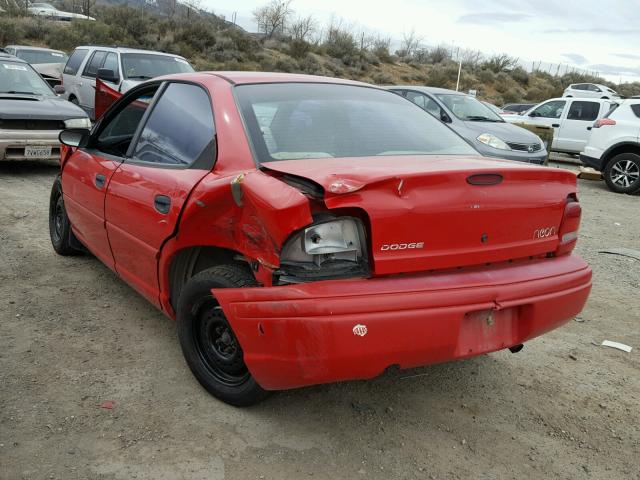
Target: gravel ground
[[73, 336]]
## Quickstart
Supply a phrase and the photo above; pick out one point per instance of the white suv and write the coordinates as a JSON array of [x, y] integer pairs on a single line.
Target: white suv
[[614, 147], [589, 90], [122, 69], [570, 118]]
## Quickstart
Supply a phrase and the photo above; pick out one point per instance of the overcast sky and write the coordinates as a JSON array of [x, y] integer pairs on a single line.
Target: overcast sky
[[602, 35]]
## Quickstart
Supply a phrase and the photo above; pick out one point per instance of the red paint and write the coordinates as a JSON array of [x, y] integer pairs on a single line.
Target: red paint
[[411, 320], [105, 96], [430, 236]]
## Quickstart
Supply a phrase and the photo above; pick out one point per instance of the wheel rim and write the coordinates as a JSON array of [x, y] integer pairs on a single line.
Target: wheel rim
[[58, 221], [217, 345], [625, 173]]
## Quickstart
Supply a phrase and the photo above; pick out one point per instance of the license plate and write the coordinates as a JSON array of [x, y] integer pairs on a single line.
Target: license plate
[[37, 152]]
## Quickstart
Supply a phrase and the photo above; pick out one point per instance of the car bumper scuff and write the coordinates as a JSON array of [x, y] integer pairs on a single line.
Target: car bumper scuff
[[328, 331]]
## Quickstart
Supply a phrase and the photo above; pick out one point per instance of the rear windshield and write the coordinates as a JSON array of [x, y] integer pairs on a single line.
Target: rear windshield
[[468, 108], [142, 66], [20, 78], [290, 121], [37, 57]]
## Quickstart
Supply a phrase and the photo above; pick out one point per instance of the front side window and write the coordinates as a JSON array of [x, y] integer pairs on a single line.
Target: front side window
[[550, 109], [142, 66], [75, 60], [95, 63], [468, 108], [586, 111], [290, 121], [115, 136], [19, 78], [180, 129], [111, 63]]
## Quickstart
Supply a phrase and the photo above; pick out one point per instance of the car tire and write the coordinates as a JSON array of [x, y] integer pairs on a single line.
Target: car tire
[[622, 173], [208, 343], [62, 237], [604, 98]]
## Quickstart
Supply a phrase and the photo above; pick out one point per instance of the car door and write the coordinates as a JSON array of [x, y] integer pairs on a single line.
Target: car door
[[87, 83], [549, 114], [88, 170], [174, 150], [576, 126]]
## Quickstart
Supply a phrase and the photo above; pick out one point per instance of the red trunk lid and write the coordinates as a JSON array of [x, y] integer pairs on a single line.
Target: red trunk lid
[[434, 212]]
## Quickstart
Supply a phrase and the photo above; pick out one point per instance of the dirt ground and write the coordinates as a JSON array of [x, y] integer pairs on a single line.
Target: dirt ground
[[73, 336]]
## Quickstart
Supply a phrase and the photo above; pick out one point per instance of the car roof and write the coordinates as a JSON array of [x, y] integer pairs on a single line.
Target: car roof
[[427, 89], [241, 77], [29, 47], [10, 58], [125, 50]]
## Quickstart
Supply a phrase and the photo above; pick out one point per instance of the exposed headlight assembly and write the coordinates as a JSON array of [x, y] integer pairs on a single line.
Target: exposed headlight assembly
[[493, 141], [330, 248], [77, 123]]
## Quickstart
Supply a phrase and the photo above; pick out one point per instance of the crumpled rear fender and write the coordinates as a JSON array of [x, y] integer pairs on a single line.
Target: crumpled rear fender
[[250, 213]]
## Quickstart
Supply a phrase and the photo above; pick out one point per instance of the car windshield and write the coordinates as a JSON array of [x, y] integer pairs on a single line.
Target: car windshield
[[21, 78], [290, 121], [37, 57], [468, 108], [142, 66], [42, 5]]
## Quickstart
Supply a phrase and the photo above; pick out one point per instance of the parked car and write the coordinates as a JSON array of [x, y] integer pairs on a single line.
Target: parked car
[[590, 90], [31, 114], [477, 124], [614, 147], [516, 108], [306, 230], [571, 119], [492, 107], [49, 11], [47, 62], [122, 68]]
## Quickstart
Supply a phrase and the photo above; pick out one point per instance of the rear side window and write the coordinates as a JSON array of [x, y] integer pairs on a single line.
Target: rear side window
[[636, 109], [74, 62], [95, 63], [180, 129], [585, 111]]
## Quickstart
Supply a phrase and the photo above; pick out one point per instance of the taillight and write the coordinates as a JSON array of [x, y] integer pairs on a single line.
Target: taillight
[[569, 226], [603, 121]]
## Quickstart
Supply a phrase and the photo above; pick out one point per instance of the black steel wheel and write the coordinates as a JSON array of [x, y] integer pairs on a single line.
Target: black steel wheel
[[208, 342], [59, 225]]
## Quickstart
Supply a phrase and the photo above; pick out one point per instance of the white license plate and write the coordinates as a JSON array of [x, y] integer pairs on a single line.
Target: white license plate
[[37, 152]]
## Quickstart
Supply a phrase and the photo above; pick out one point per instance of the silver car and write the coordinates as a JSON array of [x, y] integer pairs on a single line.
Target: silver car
[[31, 114], [476, 123], [47, 62]]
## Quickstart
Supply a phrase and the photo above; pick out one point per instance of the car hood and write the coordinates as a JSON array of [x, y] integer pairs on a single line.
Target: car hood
[[37, 108], [503, 130], [52, 70]]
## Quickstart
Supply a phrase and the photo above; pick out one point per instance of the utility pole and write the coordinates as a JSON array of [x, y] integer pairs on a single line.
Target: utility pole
[[459, 71]]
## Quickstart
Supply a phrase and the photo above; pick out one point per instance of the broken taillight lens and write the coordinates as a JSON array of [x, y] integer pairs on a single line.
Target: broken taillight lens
[[568, 232]]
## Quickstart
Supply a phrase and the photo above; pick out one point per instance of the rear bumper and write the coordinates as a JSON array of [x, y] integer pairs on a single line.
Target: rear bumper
[[315, 332], [592, 162], [13, 142]]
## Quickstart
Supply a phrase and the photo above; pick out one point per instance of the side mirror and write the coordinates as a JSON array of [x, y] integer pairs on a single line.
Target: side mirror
[[534, 114], [59, 89], [108, 75], [74, 137], [445, 118]]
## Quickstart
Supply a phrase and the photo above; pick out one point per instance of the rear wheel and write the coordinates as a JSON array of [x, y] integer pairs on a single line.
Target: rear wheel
[[622, 173], [208, 342], [62, 238]]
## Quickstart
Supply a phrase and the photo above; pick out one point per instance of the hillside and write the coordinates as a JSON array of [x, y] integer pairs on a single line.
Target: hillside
[[212, 43]]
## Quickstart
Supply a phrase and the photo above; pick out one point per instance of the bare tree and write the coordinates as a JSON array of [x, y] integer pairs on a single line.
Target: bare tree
[[501, 63], [381, 47], [409, 44], [87, 6], [272, 19], [303, 28]]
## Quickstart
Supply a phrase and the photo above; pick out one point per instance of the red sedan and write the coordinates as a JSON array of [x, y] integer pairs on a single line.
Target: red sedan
[[305, 230]]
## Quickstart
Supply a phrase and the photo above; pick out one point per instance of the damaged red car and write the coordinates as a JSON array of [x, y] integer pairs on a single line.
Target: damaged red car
[[304, 230]]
